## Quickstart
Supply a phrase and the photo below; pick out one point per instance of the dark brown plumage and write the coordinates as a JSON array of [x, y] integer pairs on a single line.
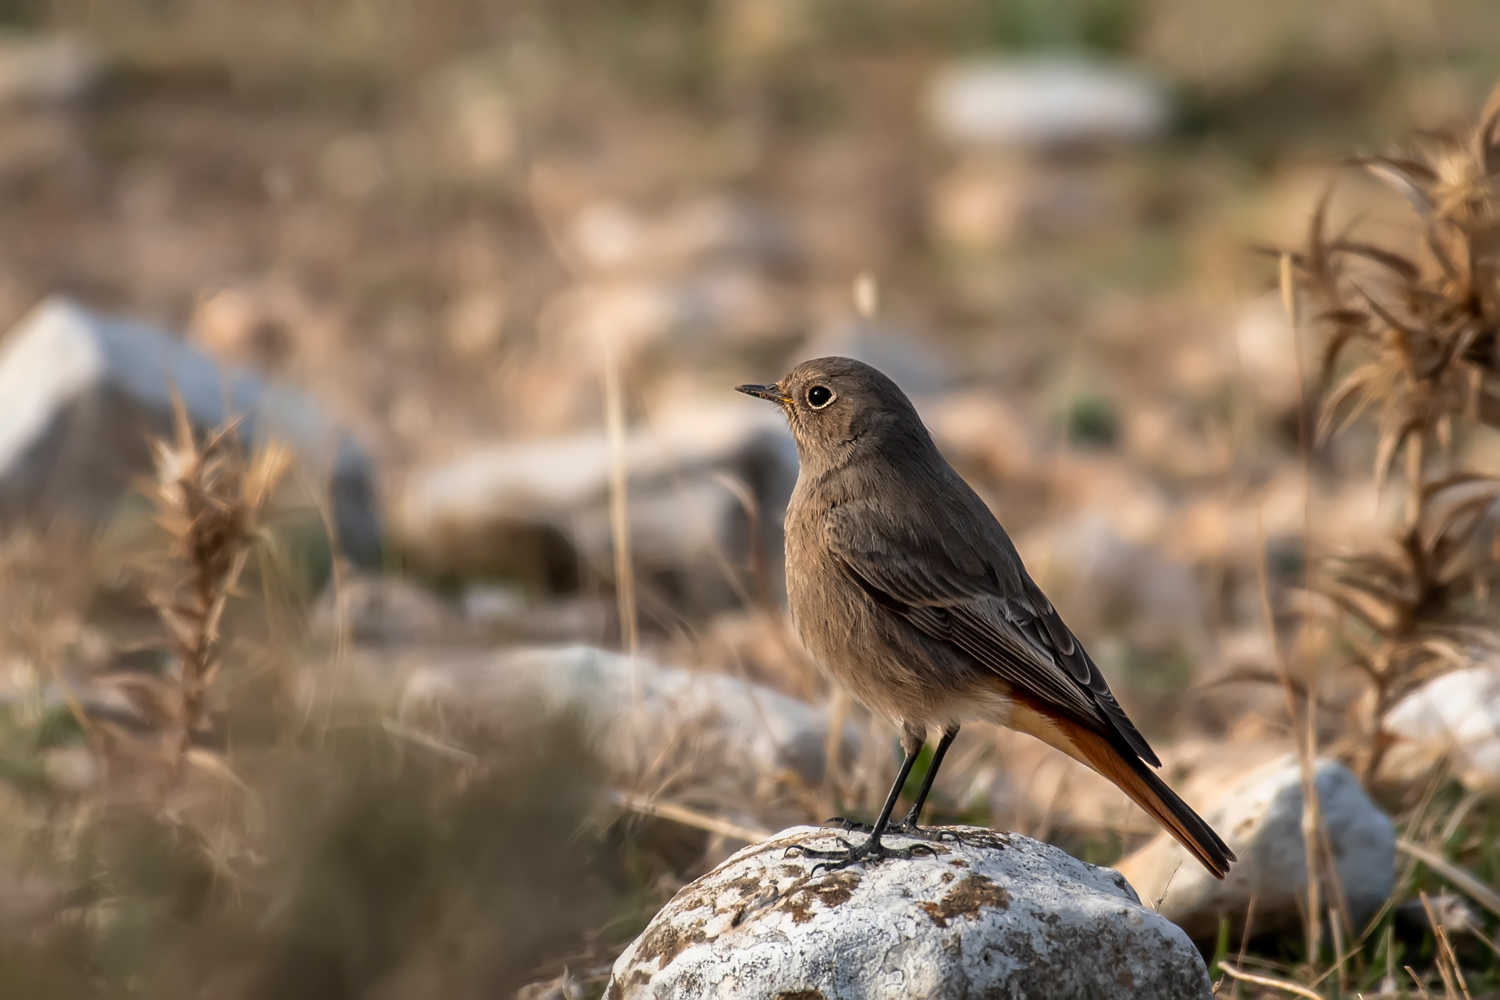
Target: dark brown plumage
[[903, 584]]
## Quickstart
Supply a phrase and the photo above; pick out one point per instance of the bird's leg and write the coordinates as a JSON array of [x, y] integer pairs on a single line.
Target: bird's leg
[[912, 741], [909, 823], [872, 849]]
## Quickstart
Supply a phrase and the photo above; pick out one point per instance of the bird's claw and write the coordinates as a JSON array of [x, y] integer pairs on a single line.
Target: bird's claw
[[848, 825], [906, 828], [871, 851]]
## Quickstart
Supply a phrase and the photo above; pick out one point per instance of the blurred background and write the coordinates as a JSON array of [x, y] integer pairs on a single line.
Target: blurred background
[[440, 670]]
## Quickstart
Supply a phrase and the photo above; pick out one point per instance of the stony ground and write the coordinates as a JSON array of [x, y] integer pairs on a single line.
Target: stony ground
[[520, 253]]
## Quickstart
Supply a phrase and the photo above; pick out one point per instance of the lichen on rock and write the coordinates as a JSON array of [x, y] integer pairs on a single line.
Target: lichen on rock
[[986, 914]]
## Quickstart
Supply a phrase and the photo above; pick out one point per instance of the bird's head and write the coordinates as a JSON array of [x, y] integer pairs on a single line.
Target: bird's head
[[835, 405]]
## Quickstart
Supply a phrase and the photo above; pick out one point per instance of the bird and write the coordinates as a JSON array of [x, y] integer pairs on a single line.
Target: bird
[[904, 586]]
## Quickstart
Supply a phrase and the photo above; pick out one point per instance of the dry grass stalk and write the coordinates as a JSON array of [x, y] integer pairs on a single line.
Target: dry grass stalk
[[1285, 985], [1458, 877], [1304, 738], [1447, 961], [690, 817], [1420, 326], [209, 501]]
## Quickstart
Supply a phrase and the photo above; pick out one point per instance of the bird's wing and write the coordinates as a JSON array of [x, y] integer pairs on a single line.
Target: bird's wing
[[995, 614]]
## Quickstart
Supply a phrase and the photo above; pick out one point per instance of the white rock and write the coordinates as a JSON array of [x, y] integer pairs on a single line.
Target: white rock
[[1044, 102], [739, 737], [39, 71], [80, 394], [992, 915], [1260, 818], [540, 510], [1457, 714]]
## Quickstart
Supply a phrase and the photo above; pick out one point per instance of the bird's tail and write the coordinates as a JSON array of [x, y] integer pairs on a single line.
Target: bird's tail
[[1135, 778]]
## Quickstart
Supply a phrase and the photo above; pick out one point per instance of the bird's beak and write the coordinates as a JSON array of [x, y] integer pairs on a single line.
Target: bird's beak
[[770, 392]]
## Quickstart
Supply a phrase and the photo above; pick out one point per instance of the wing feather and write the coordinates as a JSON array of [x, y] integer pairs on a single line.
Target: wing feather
[[984, 604]]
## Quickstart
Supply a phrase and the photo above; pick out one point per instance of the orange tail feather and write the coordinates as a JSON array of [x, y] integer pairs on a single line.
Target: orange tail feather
[[1135, 778]]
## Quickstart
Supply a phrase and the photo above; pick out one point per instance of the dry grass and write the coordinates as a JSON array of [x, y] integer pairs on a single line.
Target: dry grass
[[1411, 339], [209, 500], [232, 849]]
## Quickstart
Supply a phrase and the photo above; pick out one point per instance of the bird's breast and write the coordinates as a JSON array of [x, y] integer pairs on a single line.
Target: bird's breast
[[879, 657]]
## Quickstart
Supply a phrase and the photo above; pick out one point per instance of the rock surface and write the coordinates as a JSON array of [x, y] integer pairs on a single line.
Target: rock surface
[[539, 511], [1457, 714], [990, 914], [748, 738], [1260, 817], [80, 395], [1044, 102]]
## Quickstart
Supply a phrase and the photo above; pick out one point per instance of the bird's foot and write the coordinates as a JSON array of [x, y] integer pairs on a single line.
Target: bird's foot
[[848, 825], [909, 828], [906, 828], [870, 852]]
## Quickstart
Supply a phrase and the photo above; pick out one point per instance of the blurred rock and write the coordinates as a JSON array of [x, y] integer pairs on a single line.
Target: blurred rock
[[503, 612], [758, 645], [916, 364], [1453, 913], [42, 71], [988, 202], [1456, 716], [1044, 101], [538, 511], [1260, 818], [714, 307], [736, 740], [988, 915], [384, 610], [81, 393], [611, 237]]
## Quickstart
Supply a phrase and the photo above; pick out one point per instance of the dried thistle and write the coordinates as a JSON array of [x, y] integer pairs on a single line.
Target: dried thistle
[[1422, 318], [209, 501], [1420, 322]]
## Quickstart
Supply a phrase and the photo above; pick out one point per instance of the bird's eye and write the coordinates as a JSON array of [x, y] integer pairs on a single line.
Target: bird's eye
[[819, 396]]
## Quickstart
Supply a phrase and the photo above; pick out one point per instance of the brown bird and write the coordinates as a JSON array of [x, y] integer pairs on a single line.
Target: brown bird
[[903, 584]]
